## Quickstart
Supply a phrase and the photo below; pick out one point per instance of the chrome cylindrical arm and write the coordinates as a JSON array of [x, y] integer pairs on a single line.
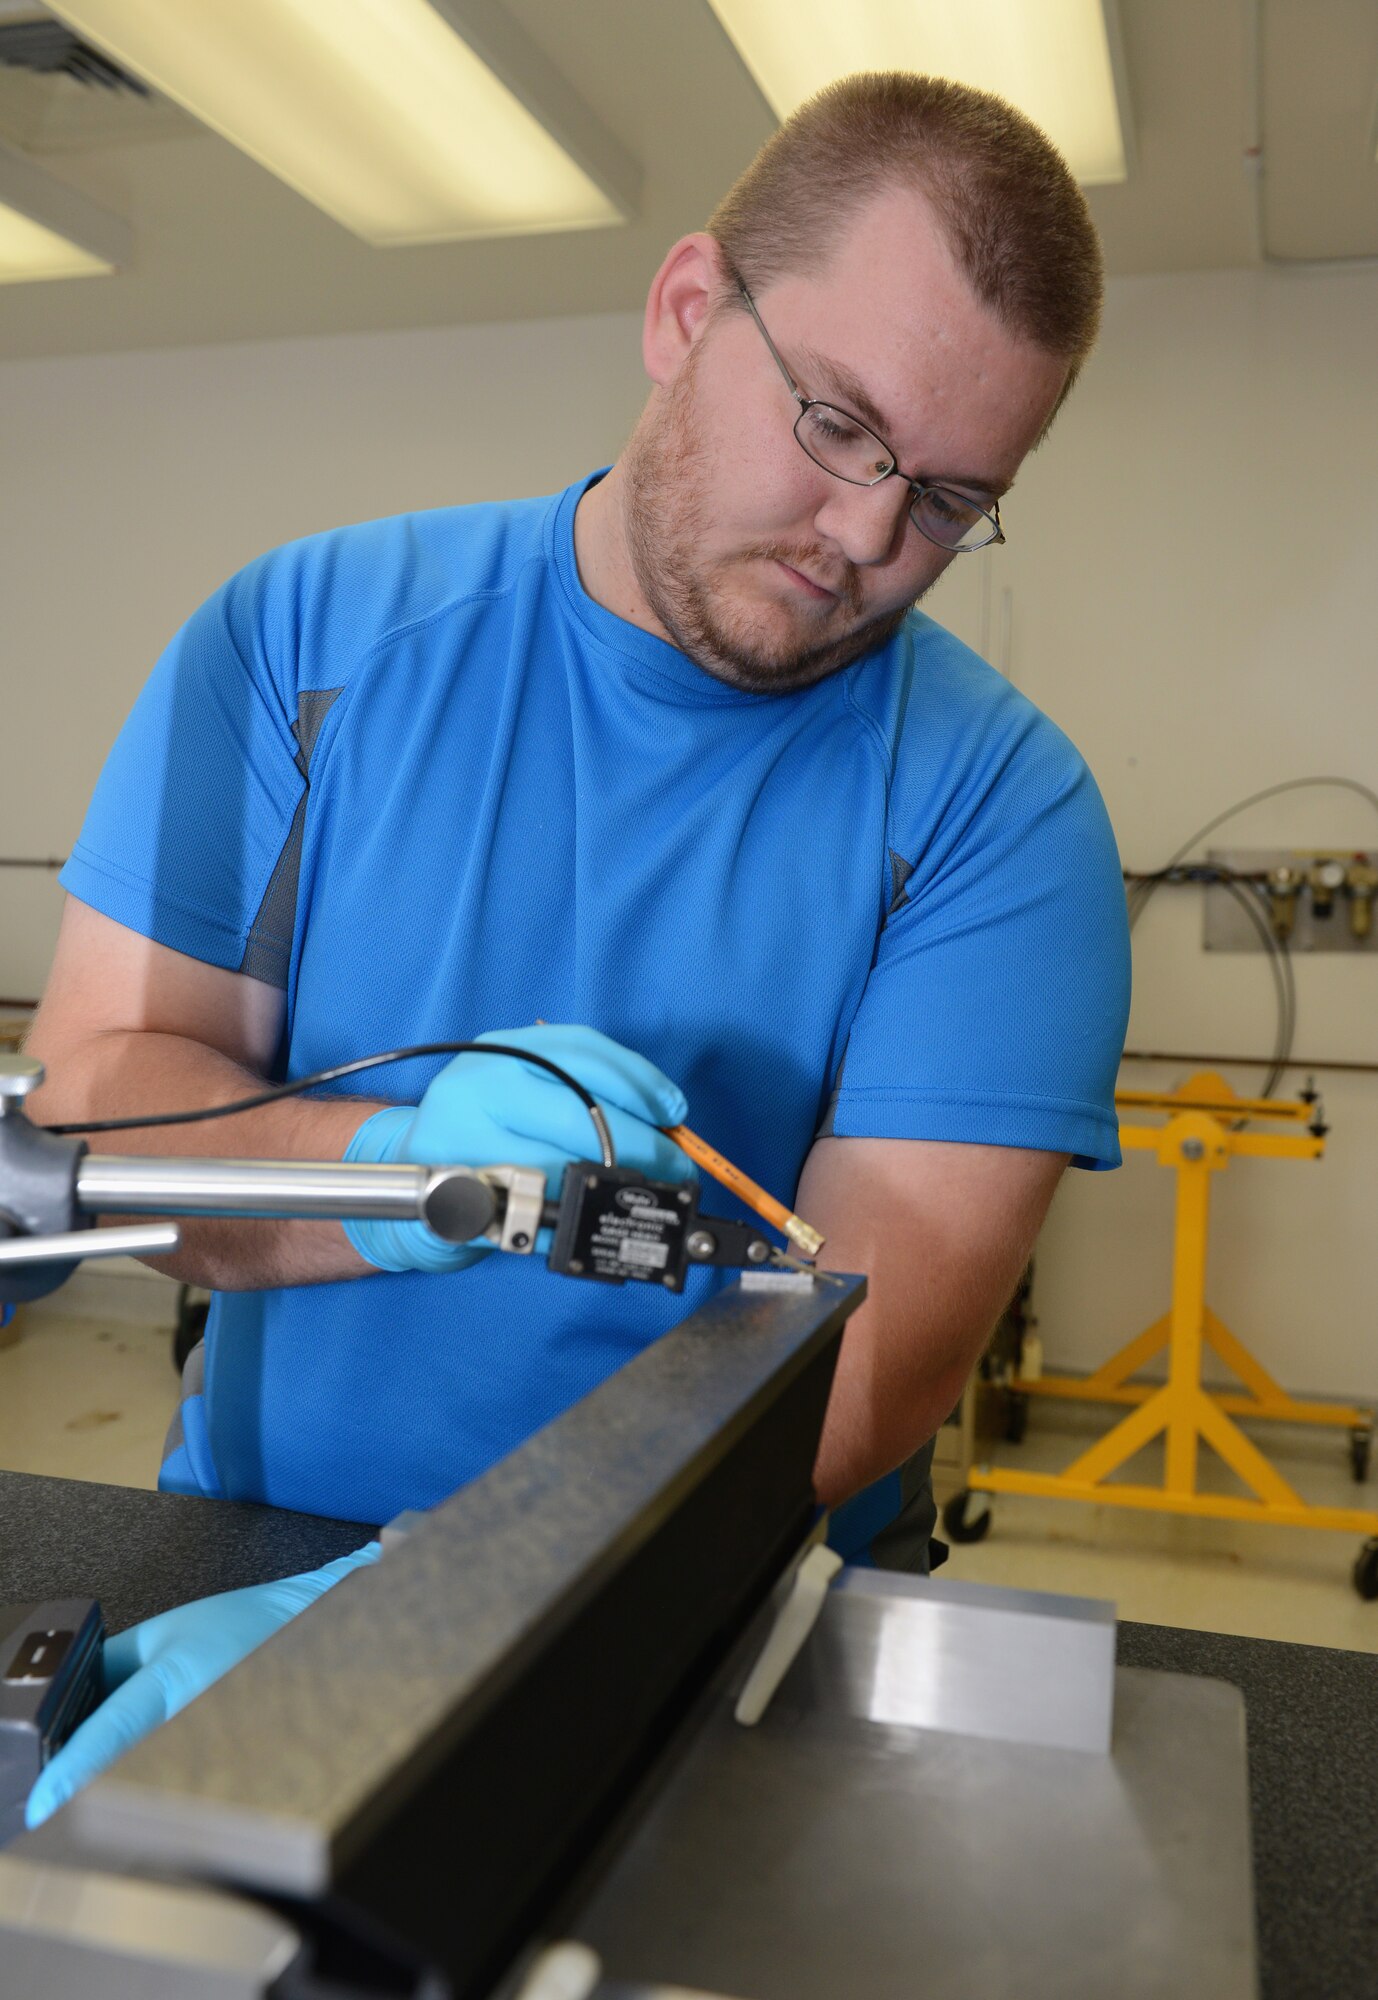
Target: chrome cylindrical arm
[[456, 1202], [79, 1244]]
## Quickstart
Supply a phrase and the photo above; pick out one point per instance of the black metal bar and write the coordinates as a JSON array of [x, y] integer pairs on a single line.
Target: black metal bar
[[433, 1748]]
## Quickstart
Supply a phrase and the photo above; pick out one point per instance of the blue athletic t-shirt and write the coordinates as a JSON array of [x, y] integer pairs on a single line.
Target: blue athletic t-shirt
[[411, 773]]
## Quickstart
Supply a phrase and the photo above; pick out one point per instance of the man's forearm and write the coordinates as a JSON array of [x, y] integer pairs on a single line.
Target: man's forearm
[[122, 1073], [942, 1232], [885, 1403]]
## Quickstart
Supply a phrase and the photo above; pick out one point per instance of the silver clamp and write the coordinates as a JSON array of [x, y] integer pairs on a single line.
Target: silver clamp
[[516, 1227]]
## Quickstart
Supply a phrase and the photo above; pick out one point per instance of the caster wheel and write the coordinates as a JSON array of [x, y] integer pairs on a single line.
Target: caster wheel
[[1016, 1416], [1360, 1444], [1366, 1571], [966, 1518]]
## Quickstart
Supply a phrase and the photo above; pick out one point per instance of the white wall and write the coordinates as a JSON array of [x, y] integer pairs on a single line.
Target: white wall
[[1194, 563], [1191, 589], [132, 484]]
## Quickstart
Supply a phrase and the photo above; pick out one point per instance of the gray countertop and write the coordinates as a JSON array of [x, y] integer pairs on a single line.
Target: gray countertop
[[1312, 1711], [141, 1552], [1313, 1783]]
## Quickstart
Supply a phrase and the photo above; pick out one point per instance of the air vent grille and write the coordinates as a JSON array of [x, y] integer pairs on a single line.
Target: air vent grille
[[53, 50]]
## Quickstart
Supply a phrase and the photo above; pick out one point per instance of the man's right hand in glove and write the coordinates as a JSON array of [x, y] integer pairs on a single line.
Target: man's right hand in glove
[[489, 1110]]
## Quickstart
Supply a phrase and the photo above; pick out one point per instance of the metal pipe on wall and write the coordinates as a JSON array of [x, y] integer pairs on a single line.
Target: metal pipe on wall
[[1252, 1062]]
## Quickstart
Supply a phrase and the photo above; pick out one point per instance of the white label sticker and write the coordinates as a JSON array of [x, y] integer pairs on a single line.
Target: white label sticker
[[638, 1250]]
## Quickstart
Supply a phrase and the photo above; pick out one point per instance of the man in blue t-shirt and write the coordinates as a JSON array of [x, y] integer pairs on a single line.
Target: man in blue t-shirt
[[670, 756]]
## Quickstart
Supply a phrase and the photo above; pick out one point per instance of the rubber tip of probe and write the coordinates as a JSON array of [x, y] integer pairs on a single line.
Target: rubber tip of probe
[[806, 1240]]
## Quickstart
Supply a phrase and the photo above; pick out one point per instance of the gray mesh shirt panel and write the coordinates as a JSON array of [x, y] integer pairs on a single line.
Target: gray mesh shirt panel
[[268, 952]]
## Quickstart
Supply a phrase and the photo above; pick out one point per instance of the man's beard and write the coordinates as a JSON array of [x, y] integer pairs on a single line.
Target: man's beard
[[668, 515]]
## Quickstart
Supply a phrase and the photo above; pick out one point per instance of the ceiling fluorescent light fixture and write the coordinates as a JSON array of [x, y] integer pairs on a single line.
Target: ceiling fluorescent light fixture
[[48, 230], [409, 122], [1059, 61]]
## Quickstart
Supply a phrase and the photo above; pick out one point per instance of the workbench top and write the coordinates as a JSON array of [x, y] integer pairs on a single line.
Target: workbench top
[[1313, 1785], [1312, 1710]]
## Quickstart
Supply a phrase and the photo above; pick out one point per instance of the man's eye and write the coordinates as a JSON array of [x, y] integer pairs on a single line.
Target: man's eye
[[837, 429], [949, 508]]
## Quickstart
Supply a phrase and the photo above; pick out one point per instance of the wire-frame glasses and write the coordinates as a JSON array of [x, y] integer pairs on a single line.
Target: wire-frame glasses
[[850, 450]]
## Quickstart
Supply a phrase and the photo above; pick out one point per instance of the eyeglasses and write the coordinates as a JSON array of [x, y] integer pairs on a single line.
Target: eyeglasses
[[846, 448]]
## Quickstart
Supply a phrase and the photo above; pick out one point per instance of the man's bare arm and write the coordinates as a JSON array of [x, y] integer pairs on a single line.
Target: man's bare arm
[[942, 1233], [127, 1026]]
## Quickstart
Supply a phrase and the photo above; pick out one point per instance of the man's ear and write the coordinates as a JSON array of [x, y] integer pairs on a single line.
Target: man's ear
[[678, 304]]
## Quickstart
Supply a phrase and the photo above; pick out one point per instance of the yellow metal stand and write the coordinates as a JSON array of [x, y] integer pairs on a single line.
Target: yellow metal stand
[[1201, 1136]]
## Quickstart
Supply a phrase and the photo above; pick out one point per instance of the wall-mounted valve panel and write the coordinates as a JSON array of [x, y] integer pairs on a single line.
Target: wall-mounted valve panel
[[1312, 898]]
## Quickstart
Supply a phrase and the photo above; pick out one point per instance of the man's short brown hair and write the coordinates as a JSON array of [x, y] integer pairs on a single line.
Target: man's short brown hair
[[1012, 215]]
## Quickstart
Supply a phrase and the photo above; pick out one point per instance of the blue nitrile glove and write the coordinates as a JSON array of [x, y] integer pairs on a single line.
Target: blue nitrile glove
[[488, 1111], [154, 1669]]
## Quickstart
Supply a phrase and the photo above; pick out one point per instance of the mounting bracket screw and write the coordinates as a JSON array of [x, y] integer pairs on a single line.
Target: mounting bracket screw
[[18, 1076]]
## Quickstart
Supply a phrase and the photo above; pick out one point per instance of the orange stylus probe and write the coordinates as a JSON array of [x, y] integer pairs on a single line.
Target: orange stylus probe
[[805, 1239]]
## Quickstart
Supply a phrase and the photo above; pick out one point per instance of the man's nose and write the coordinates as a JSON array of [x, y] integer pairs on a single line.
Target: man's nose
[[865, 522]]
